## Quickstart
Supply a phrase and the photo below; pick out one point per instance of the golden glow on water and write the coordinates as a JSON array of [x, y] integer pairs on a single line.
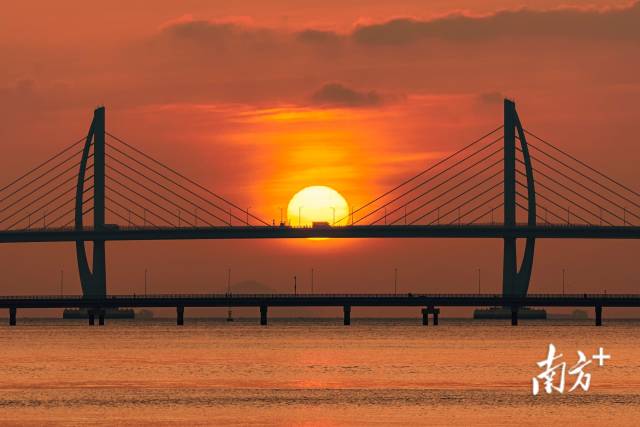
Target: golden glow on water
[[317, 203]]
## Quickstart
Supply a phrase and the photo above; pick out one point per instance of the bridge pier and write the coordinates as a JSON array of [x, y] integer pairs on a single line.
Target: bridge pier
[[425, 315], [101, 314], [180, 315], [263, 314], [598, 315], [12, 316], [347, 314], [92, 317], [514, 316], [92, 278]]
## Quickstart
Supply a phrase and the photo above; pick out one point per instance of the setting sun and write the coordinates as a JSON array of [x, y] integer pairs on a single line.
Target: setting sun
[[317, 203]]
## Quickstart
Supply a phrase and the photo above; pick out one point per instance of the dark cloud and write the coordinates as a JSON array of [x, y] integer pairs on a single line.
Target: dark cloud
[[562, 23], [198, 30], [618, 23], [204, 61], [318, 36], [339, 95], [213, 34]]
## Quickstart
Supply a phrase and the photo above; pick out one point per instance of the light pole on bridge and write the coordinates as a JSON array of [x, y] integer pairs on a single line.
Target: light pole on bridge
[[395, 280]]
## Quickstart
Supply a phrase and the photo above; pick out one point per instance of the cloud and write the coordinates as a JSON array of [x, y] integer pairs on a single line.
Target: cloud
[[236, 61], [204, 30], [569, 22], [339, 95], [231, 36], [318, 36]]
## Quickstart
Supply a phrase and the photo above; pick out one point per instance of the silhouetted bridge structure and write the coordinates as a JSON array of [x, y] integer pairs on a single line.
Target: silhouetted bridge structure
[[488, 231], [102, 188], [97, 306]]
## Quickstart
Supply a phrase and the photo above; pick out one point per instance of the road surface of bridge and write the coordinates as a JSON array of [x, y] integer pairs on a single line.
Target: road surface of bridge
[[487, 231]]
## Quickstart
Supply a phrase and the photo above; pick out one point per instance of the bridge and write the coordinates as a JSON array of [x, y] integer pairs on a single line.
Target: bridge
[[96, 306], [102, 188], [490, 231]]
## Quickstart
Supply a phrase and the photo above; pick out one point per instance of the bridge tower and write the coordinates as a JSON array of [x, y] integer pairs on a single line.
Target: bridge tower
[[515, 282], [94, 280]]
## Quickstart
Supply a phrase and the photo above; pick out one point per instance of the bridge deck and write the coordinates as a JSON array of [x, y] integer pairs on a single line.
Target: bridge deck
[[322, 300], [68, 234]]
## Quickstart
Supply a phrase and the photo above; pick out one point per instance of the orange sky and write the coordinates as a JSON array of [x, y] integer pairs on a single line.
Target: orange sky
[[259, 99]]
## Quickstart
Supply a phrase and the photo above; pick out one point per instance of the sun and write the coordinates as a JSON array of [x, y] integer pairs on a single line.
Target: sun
[[317, 203]]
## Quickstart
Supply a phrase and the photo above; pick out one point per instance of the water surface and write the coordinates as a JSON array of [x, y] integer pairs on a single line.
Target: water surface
[[310, 372]]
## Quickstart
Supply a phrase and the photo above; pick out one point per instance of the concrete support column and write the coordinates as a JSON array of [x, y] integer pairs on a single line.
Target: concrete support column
[[425, 317], [598, 315], [436, 312], [347, 314], [514, 316], [509, 262], [263, 314], [101, 314], [180, 315], [92, 317], [12, 316]]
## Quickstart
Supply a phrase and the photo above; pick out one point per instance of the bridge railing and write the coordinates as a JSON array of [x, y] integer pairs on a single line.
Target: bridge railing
[[318, 296], [277, 227]]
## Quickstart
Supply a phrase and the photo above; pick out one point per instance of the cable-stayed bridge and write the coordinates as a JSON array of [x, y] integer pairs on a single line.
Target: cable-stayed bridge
[[509, 184]]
